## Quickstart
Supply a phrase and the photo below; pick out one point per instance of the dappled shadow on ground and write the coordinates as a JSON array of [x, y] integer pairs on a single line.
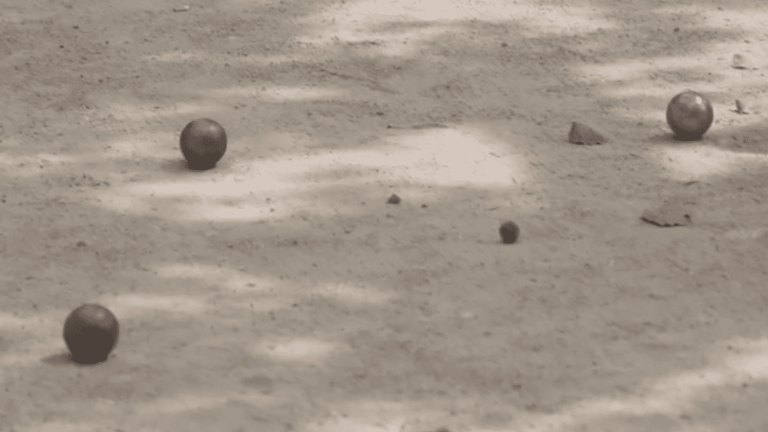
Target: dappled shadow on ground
[[281, 289]]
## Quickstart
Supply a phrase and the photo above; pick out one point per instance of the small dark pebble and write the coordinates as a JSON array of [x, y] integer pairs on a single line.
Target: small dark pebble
[[394, 199]]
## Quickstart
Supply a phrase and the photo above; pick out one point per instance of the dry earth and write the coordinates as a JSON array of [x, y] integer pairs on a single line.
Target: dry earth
[[280, 292]]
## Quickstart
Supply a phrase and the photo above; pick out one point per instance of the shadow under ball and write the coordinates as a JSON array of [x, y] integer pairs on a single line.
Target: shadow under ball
[[689, 115], [203, 143], [91, 332]]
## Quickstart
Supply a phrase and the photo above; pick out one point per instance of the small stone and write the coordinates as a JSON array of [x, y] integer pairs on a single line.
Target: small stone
[[583, 134], [740, 107], [394, 199], [739, 61], [668, 215]]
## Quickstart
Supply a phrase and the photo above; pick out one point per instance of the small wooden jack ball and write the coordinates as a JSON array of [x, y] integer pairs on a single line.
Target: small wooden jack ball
[[509, 232]]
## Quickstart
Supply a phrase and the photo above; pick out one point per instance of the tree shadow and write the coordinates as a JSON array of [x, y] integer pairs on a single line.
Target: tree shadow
[[373, 301]]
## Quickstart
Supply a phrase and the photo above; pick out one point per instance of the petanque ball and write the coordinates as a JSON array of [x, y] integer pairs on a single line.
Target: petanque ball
[[203, 143], [91, 332], [689, 115]]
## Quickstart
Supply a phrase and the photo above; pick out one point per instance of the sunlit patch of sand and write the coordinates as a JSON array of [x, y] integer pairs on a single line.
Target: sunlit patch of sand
[[433, 157]]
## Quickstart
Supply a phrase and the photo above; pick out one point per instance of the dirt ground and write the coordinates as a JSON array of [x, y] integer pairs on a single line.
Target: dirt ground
[[281, 292]]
